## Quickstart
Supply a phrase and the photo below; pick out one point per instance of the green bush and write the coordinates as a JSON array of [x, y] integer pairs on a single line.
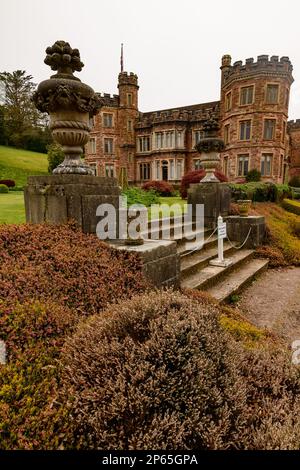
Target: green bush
[[291, 206], [260, 192], [3, 189], [253, 175], [139, 196], [55, 156], [163, 371]]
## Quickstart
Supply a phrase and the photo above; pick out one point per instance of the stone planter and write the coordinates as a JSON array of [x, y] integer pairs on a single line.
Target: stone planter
[[69, 103], [244, 206]]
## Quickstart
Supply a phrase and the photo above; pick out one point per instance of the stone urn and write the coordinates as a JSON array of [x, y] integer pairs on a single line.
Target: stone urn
[[244, 207], [70, 104], [209, 148]]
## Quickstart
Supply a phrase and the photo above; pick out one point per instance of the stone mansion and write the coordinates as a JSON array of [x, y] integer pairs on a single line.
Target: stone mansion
[[252, 113]]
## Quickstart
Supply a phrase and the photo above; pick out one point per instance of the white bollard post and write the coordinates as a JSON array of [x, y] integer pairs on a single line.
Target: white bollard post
[[220, 240], [220, 261]]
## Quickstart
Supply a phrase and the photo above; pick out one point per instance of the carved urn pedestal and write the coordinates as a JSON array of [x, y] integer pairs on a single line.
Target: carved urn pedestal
[[72, 192], [215, 196]]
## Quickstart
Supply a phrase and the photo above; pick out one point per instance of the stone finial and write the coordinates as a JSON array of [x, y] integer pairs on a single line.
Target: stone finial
[[63, 58], [226, 60]]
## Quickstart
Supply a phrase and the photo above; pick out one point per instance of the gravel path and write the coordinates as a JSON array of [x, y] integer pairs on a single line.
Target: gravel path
[[273, 301]]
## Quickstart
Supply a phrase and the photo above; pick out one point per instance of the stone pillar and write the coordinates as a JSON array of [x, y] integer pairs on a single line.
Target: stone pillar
[[238, 228], [216, 200], [56, 199]]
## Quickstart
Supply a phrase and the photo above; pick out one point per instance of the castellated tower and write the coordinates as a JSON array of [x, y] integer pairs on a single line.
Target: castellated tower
[[128, 112], [253, 116]]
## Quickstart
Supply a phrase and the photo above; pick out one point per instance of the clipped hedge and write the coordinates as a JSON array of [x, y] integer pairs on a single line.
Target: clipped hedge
[[3, 189], [163, 188], [162, 371], [260, 192], [291, 206], [196, 176]]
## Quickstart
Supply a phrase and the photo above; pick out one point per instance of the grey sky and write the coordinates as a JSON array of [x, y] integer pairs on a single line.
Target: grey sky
[[174, 46]]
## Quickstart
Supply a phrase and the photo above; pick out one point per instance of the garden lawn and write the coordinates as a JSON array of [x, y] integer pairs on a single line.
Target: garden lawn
[[18, 164], [12, 210], [182, 206]]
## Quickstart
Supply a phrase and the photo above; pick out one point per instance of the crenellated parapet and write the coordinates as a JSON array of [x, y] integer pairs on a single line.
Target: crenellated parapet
[[108, 100], [264, 65], [190, 114], [128, 78], [294, 125]]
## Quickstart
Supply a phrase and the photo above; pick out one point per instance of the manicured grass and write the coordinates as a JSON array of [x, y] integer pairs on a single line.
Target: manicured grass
[[18, 164], [12, 209], [182, 206]]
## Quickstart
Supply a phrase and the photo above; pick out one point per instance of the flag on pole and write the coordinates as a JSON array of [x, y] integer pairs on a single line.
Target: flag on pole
[[122, 64]]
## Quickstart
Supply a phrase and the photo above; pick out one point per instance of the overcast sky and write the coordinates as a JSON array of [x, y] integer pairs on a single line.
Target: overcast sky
[[174, 46]]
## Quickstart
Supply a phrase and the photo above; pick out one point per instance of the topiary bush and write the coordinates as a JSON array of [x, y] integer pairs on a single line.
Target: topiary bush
[[8, 183], [162, 371], [163, 188], [3, 189], [196, 176], [253, 175]]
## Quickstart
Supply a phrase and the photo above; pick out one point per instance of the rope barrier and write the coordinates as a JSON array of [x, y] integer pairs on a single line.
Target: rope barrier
[[198, 246], [244, 242]]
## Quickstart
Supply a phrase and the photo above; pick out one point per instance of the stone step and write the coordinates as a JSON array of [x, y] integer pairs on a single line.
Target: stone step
[[209, 241], [191, 262], [235, 281], [210, 275], [173, 228]]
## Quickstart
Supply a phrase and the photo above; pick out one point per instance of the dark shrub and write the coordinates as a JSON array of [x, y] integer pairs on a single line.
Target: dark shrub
[[253, 175], [8, 183], [161, 372], [3, 189], [163, 188], [295, 181], [196, 176]]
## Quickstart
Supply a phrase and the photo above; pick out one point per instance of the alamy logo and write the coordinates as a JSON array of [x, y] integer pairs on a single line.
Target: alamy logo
[[159, 221]]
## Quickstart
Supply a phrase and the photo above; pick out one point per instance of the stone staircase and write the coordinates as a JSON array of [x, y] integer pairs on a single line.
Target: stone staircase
[[220, 282]]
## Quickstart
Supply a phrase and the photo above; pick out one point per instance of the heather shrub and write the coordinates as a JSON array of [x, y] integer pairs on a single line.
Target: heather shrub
[[162, 371], [196, 176], [34, 333], [66, 266], [50, 277], [8, 183], [291, 206], [3, 189], [163, 188], [157, 372], [281, 236]]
